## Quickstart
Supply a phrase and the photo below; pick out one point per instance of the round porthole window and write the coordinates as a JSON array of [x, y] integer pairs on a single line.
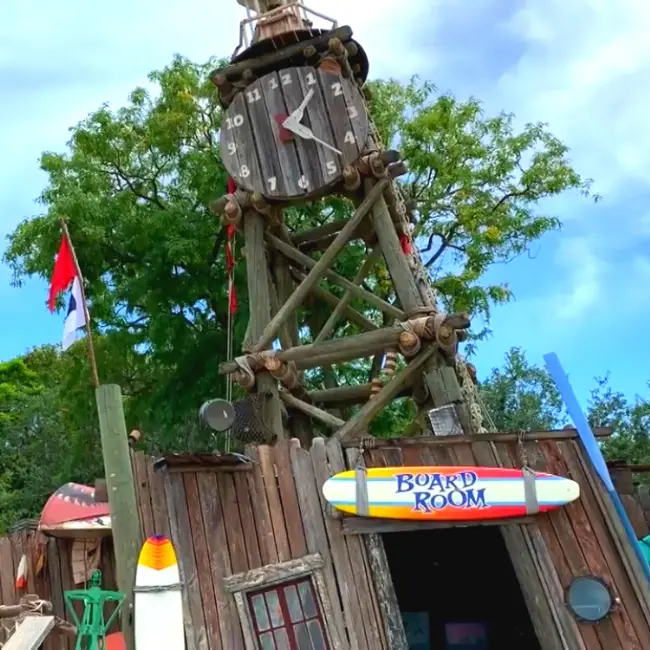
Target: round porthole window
[[589, 599]]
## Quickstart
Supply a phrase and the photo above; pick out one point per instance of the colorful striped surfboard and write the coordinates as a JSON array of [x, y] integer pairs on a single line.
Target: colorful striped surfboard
[[158, 601], [448, 493]]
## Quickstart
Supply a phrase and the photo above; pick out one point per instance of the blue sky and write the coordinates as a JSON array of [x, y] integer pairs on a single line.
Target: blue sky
[[582, 66]]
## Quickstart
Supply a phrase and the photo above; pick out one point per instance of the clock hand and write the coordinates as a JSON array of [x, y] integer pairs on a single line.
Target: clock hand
[[306, 133], [300, 111]]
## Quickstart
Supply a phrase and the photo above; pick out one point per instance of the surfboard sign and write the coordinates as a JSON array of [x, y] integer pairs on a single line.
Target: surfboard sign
[[448, 493], [158, 600]]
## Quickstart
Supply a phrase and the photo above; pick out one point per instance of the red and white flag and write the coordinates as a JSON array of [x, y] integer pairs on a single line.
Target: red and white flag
[[66, 273], [21, 573]]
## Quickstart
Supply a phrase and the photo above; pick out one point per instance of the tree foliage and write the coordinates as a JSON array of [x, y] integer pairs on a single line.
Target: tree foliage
[[523, 396], [135, 184]]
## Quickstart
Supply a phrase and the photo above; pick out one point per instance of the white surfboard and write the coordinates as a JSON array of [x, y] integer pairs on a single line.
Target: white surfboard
[[158, 600]]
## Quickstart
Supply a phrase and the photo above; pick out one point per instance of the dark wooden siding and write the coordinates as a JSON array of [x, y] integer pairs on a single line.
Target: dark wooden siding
[[227, 522], [580, 538]]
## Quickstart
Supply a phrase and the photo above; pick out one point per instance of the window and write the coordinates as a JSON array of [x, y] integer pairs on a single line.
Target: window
[[287, 617], [285, 606]]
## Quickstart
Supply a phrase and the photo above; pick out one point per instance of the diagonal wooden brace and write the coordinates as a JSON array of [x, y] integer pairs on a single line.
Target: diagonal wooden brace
[[319, 268]]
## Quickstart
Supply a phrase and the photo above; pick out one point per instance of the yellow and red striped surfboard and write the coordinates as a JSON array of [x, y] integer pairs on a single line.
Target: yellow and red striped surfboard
[[158, 600]]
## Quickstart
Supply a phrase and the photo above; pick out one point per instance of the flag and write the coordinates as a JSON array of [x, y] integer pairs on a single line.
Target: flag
[[76, 316], [64, 272], [21, 573]]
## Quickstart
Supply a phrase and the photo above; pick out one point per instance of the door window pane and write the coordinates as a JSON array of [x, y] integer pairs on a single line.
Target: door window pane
[[307, 598], [275, 609], [267, 642], [261, 616], [316, 635], [293, 603], [282, 639], [302, 637]]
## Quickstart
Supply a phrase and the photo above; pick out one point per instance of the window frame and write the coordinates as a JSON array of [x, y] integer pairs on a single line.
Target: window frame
[[266, 577]]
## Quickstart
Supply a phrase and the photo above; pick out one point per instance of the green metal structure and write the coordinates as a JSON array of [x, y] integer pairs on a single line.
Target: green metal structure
[[92, 627]]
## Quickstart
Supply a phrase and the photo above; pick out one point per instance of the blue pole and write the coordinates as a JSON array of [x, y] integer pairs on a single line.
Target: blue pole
[[592, 448]]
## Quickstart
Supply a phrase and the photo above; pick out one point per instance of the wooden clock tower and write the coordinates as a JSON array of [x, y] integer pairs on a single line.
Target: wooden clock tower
[[297, 128]]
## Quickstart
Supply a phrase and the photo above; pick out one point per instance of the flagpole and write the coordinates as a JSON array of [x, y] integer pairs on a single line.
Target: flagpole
[[89, 334]]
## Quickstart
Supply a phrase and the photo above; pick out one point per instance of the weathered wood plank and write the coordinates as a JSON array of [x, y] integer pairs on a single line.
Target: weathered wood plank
[[30, 633], [317, 119], [339, 115], [158, 501], [361, 526], [309, 174], [275, 506], [575, 559], [178, 526], [524, 565], [263, 525], [314, 525], [220, 566], [289, 165], [202, 558], [234, 530], [455, 441], [572, 453], [289, 498], [250, 540], [143, 494], [632, 617], [278, 179], [534, 535], [7, 575], [53, 567], [273, 573], [249, 173], [340, 559], [357, 550]]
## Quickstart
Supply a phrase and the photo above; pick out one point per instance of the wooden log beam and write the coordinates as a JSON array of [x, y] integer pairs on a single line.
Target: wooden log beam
[[367, 526], [235, 70], [257, 272], [345, 349], [314, 234], [348, 394], [319, 267], [349, 312], [340, 309], [361, 419], [313, 411], [444, 441], [302, 260]]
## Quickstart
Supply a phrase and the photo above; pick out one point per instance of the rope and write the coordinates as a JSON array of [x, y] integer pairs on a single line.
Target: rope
[[529, 476]]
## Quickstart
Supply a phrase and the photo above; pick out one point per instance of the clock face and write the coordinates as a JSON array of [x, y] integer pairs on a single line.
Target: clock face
[[328, 129]]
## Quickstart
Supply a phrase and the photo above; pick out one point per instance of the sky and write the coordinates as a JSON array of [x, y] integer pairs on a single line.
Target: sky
[[580, 66]]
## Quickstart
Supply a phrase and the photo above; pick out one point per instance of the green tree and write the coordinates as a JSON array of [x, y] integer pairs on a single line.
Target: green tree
[[629, 419], [522, 396], [135, 184]]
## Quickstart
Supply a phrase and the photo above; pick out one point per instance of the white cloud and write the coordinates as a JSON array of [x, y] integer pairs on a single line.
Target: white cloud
[[585, 70], [584, 274]]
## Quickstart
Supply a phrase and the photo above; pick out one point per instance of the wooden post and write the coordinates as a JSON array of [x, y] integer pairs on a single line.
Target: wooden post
[[122, 502], [259, 300]]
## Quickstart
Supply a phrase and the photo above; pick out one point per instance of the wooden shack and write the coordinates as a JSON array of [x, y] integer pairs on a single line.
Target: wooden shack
[[263, 528]]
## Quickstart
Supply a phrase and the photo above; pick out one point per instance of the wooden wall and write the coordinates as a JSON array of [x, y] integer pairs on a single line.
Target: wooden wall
[[227, 522], [52, 580], [580, 539]]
